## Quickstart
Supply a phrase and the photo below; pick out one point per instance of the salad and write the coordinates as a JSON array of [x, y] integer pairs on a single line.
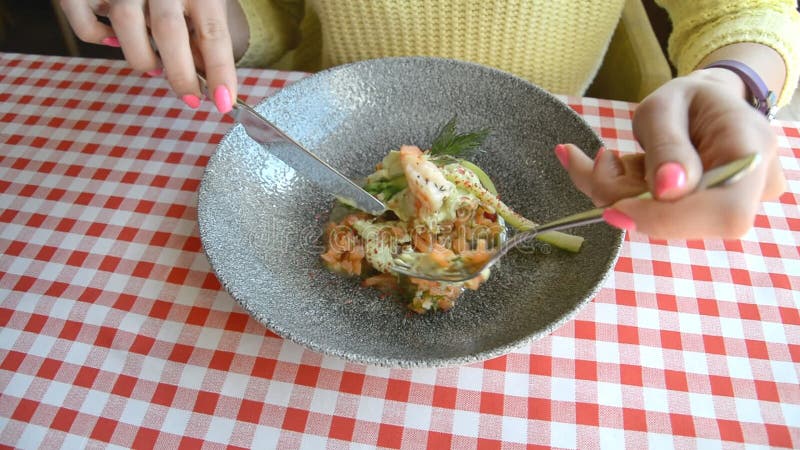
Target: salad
[[441, 205]]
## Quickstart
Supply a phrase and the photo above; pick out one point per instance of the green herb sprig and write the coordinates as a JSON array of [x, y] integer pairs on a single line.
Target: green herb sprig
[[449, 143]]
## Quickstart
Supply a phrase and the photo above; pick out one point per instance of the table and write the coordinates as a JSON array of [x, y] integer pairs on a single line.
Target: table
[[116, 333]]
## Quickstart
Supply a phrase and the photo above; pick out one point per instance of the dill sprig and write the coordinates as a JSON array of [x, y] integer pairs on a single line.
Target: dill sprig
[[458, 145]]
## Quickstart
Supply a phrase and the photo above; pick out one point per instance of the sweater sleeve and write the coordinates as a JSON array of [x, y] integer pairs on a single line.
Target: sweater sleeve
[[273, 27], [701, 26]]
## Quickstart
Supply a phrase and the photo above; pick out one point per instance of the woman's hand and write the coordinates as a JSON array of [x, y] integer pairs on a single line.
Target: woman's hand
[[689, 125], [189, 35]]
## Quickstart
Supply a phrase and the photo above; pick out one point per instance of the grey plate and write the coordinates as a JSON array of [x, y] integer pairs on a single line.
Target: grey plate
[[261, 224]]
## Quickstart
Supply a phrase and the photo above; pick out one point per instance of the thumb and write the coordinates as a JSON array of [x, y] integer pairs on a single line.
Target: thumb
[[672, 164]]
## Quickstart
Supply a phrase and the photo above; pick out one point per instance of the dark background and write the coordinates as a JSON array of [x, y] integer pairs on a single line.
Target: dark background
[[32, 26]]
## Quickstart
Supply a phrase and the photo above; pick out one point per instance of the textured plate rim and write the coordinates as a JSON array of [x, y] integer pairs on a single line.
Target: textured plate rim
[[389, 362]]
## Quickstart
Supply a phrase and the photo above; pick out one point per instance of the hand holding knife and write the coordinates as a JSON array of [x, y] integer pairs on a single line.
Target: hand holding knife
[[304, 162]]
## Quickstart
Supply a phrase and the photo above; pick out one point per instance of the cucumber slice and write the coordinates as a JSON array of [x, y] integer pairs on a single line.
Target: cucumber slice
[[564, 241]]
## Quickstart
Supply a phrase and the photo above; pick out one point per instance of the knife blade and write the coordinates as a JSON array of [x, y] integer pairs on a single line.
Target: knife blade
[[303, 161]]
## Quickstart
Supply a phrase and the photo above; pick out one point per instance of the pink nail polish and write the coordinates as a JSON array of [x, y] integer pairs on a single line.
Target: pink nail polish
[[192, 101], [618, 219], [669, 177], [222, 98], [155, 72], [599, 153], [562, 153], [110, 41]]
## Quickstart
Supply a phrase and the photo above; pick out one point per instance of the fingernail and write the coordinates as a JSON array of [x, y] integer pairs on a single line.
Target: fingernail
[[597, 156], [618, 219], [110, 41], [669, 176], [155, 72], [222, 98], [562, 153], [192, 101]]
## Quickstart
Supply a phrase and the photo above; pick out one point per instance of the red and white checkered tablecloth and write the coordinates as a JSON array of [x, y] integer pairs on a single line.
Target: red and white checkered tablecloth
[[115, 332]]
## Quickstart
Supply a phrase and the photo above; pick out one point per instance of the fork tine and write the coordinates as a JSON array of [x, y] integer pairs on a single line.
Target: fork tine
[[399, 263], [450, 273]]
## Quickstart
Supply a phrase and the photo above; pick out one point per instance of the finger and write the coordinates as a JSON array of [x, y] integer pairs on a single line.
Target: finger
[[722, 212], [171, 34], [726, 212], [661, 125], [578, 165], [741, 132], [127, 19], [196, 55], [776, 181], [735, 130], [608, 177], [209, 18], [84, 23]]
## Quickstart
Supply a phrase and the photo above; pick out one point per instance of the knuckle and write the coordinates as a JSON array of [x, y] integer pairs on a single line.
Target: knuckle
[[167, 18], [212, 30], [653, 104], [601, 195]]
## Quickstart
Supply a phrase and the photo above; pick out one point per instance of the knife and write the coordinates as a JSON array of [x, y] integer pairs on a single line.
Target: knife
[[303, 161]]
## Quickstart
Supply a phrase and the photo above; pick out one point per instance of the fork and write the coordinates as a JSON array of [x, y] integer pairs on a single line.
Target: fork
[[419, 265]]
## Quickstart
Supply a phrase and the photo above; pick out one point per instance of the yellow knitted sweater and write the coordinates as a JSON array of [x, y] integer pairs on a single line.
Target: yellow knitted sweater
[[557, 44]]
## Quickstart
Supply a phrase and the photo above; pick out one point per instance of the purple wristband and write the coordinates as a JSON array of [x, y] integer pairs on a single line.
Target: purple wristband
[[761, 97]]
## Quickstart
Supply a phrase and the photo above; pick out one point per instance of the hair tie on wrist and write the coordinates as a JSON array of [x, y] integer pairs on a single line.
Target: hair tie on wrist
[[760, 97]]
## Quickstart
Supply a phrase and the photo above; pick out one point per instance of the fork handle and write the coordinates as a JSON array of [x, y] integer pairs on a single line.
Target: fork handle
[[574, 220], [718, 176]]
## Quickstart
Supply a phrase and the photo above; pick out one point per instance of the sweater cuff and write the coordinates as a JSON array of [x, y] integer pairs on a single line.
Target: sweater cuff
[[772, 28], [273, 31]]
